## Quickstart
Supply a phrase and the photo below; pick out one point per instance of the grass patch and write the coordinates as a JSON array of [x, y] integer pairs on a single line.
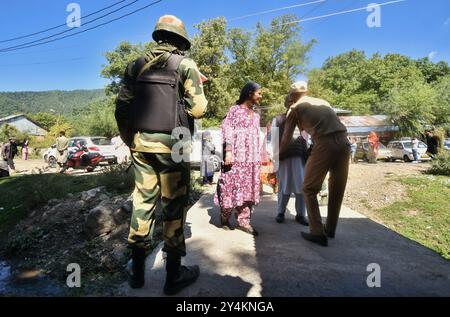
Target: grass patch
[[22, 193], [424, 216]]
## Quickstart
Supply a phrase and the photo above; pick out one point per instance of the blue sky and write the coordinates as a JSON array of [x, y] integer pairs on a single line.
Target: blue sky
[[415, 28]]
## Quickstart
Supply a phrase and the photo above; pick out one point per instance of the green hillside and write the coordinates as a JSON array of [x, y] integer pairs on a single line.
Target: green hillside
[[63, 102]]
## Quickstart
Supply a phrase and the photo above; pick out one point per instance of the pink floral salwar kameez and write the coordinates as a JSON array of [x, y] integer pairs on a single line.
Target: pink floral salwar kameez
[[239, 188]]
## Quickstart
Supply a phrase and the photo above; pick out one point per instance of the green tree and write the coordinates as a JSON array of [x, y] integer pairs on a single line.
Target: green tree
[[411, 107], [433, 72], [240, 47], [7, 131], [441, 110], [61, 126], [118, 59], [355, 82], [273, 57], [48, 120], [279, 56], [98, 120], [208, 51]]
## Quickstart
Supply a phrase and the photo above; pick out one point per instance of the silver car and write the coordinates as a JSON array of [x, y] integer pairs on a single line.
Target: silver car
[[402, 150]]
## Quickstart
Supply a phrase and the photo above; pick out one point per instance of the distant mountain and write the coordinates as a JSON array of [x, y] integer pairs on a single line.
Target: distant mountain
[[63, 102]]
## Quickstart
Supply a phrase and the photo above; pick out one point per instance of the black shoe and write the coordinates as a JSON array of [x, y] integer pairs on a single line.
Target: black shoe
[[319, 239], [279, 218], [329, 234], [136, 268], [301, 220], [185, 277], [249, 230], [179, 276]]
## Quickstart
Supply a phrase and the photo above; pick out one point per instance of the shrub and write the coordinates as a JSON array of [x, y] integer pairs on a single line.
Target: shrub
[[441, 164]]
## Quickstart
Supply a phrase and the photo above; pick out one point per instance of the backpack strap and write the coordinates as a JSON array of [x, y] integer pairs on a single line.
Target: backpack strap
[[172, 63], [139, 67]]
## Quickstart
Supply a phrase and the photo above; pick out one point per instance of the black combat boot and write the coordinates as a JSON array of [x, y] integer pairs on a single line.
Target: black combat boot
[[136, 268], [178, 276]]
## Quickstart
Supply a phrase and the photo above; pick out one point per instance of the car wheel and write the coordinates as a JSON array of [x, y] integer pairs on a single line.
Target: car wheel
[[52, 162], [365, 159], [406, 158]]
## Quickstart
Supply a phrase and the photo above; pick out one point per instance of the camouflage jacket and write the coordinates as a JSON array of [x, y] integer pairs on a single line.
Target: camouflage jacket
[[190, 89]]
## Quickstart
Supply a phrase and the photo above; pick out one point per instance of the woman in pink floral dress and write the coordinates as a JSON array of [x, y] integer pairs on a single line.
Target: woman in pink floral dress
[[239, 184]]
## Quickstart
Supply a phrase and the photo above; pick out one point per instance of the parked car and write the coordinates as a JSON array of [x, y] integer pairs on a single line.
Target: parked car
[[100, 145], [362, 152], [402, 150]]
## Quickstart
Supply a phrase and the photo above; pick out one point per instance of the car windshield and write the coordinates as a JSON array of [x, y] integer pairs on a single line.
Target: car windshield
[[101, 141], [407, 145]]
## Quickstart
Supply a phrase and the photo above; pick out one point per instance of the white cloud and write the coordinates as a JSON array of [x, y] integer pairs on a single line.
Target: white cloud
[[432, 55]]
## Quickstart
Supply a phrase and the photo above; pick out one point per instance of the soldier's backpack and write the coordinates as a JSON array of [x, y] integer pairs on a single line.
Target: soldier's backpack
[[157, 107]]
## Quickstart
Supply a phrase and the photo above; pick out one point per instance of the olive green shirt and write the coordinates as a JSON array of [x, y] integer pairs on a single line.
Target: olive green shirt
[[312, 115]]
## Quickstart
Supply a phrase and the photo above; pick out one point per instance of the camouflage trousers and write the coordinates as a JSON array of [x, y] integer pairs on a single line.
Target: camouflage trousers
[[158, 176]]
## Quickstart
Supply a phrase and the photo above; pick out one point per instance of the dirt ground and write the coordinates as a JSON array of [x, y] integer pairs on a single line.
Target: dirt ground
[[373, 186], [28, 165]]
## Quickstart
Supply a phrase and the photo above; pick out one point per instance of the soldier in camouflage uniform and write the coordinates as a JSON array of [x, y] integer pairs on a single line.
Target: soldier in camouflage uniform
[[156, 173]]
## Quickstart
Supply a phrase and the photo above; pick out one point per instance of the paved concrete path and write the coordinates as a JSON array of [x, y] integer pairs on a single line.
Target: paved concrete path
[[279, 262]]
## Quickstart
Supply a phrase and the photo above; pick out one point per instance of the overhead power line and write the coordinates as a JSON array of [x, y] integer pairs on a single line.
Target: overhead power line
[[58, 26], [80, 32], [343, 12], [344, 8], [313, 9], [71, 29], [275, 10]]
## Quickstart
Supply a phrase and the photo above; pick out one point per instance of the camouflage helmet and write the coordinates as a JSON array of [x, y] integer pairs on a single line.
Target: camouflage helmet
[[171, 27]]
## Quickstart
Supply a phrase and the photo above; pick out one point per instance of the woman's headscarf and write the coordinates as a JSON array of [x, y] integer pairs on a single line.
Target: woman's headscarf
[[248, 89]]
